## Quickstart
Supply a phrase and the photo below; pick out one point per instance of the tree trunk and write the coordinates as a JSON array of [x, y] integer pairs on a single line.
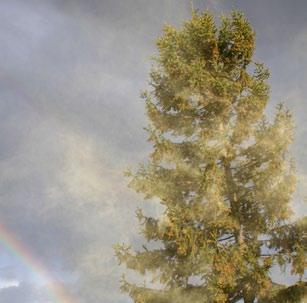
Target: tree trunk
[[249, 299]]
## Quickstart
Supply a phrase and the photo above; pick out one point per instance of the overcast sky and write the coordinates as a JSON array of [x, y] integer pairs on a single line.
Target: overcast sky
[[71, 122]]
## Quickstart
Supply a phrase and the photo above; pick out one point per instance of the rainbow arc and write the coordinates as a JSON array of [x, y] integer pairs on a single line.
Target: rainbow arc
[[56, 291]]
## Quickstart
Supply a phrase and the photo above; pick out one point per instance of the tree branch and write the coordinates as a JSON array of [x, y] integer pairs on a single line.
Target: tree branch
[[227, 238]]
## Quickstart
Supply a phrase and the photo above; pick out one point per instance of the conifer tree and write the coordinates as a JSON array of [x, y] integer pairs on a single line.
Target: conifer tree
[[221, 170]]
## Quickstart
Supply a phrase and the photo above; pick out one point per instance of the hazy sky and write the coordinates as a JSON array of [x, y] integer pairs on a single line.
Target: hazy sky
[[71, 122]]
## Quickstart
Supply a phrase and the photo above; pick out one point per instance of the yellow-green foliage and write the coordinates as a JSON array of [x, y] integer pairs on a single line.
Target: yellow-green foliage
[[221, 171]]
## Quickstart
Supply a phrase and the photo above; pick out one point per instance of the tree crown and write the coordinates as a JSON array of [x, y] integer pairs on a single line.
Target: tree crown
[[221, 170]]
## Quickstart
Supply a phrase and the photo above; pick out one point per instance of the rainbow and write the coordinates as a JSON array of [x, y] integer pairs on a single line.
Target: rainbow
[[55, 290]]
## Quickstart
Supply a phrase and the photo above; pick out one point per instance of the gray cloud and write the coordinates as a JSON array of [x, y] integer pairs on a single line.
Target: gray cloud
[[17, 294]]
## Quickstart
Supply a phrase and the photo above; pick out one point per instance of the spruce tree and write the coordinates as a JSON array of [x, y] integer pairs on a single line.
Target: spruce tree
[[220, 169]]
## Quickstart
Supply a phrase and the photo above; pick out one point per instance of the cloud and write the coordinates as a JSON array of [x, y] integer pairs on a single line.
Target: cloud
[[16, 294], [84, 175], [214, 5], [6, 283], [300, 198], [299, 46]]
